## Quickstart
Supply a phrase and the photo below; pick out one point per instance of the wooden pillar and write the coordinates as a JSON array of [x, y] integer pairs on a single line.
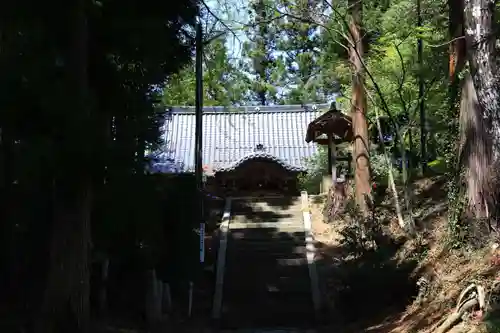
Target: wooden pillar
[[332, 158], [329, 157], [349, 165]]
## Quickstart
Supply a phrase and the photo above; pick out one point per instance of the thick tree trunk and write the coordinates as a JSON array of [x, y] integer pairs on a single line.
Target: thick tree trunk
[[475, 147], [65, 305], [66, 297], [481, 54], [359, 122], [480, 38], [6, 196]]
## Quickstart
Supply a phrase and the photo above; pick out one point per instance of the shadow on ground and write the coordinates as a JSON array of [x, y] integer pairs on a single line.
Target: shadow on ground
[[364, 280], [274, 201], [266, 281], [267, 278], [267, 210]]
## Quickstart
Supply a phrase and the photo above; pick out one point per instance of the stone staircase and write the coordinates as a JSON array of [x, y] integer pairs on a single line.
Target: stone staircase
[[266, 273]]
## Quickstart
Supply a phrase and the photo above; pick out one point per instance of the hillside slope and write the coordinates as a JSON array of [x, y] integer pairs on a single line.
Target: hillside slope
[[404, 285]]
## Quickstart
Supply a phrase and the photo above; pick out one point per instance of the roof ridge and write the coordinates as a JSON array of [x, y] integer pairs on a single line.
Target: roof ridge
[[263, 155], [249, 109]]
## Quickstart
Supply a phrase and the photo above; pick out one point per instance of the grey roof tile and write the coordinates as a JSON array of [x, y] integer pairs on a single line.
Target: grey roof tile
[[232, 136]]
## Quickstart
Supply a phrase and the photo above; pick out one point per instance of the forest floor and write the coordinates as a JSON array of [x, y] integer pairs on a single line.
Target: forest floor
[[375, 290]]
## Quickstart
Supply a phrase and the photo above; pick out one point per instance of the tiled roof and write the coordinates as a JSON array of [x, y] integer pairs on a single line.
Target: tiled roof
[[230, 137]]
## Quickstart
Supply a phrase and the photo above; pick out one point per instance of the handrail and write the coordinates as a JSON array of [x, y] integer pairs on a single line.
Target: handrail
[[310, 253], [221, 261]]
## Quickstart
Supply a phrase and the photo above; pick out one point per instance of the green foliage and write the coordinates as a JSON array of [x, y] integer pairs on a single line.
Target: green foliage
[[262, 64], [492, 323], [317, 168], [380, 170], [458, 229], [438, 165], [223, 83]]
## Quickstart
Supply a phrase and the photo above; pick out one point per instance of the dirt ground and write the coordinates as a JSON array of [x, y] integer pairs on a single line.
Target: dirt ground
[[447, 271]]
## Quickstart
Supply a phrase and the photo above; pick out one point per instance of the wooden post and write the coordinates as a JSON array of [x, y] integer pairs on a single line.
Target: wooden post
[[310, 253], [221, 261], [329, 157], [332, 158], [349, 165]]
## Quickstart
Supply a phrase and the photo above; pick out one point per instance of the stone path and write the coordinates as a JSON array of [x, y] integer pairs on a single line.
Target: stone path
[[266, 279], [291, 330]]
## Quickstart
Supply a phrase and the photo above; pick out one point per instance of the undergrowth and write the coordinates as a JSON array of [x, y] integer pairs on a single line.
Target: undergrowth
[[379, 266], [370, 277]]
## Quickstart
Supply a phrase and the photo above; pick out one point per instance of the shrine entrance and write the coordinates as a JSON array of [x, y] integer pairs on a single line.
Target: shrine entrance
[[260, 175]]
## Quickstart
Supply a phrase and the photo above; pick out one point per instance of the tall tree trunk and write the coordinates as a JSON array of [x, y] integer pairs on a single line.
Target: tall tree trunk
[[262, 46], [481, 54], [423, 121], [457, 61], [457, 47], [65, 305], [6, 180], [361, 146]]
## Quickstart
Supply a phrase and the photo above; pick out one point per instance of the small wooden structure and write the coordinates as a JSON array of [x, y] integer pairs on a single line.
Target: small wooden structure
[[331, 128]]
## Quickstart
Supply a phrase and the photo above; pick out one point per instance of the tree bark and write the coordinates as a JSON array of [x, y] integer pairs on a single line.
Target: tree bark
[[481, 54], [65, 306], [361, 145], [480, 39]]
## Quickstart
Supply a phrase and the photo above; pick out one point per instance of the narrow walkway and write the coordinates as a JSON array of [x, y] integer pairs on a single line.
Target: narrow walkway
[[266, 273]]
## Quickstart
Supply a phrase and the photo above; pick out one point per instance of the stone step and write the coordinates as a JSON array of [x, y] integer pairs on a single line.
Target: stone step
[[267, 218], [296, 240], [266, 204], [282, 300], [284, 287], [279, 202], [291, 233], [294, 220], [266, 278], [262, 206], [263, 260], [260, 212], [257, 313], [252, 258], [276, 302], [276, 203], [284, 224], [282, 249], [269, 306], [255, 272], [287, 277], [271, 330], [268, 294]]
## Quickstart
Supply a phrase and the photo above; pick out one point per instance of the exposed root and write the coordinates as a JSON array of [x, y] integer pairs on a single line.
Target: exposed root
[[470, 298]]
